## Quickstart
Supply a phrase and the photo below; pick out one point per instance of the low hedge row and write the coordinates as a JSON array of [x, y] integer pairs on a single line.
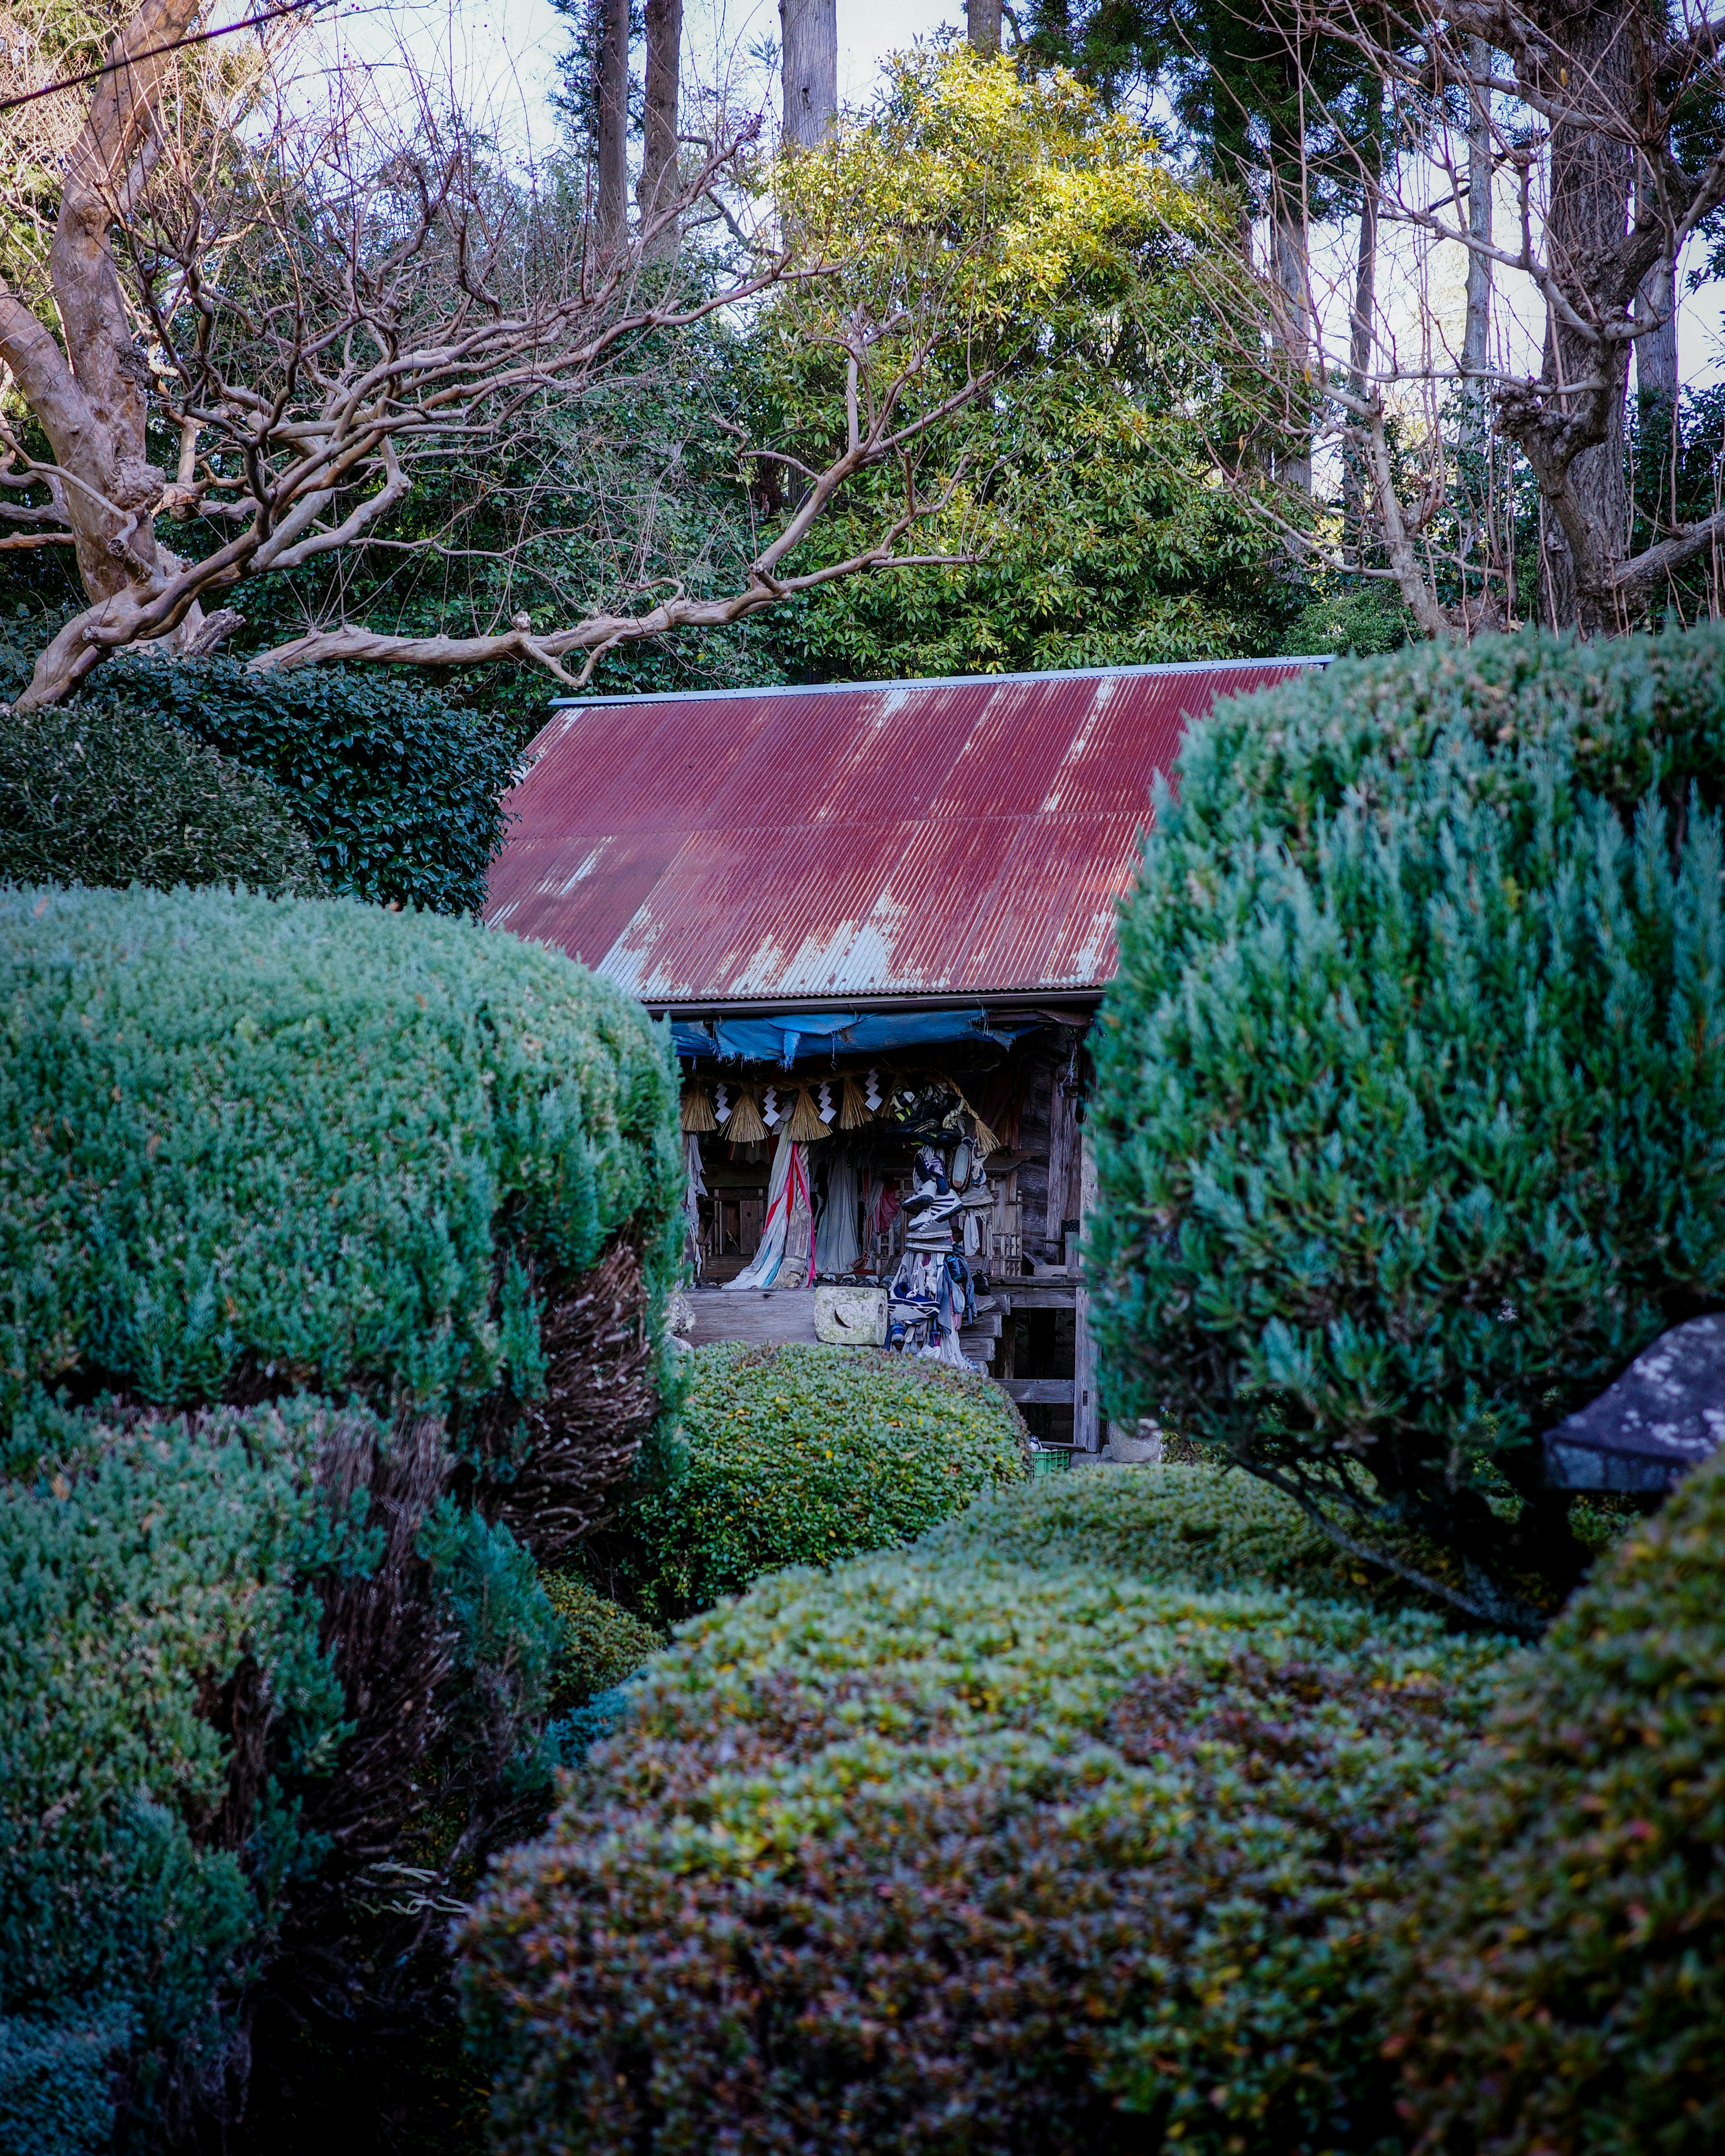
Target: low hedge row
[[805, 1455], [954, 1850], [1564, 1954]]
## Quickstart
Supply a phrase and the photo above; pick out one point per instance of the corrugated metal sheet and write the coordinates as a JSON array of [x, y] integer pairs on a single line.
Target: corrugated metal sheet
[[904, 838]]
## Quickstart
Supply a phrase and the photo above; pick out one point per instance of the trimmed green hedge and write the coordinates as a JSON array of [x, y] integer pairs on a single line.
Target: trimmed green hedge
[[1564, 1979], [400, 791], [803, 1456], [248, 1148], [1411, 1087], [953, 1850], [99, 794], [599, 1643]]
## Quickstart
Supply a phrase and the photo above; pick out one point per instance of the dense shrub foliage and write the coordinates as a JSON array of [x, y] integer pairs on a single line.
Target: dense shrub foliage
[[1565, 1979], [250, 1147], [399, 791], [599, 1643], [1412, 1096], [99, 794], [248, 1653], [959, 1850], [802, 1456]]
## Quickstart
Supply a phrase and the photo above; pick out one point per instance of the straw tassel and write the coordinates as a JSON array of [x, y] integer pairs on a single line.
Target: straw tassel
[[745, 1126], [697, 1110], [853, 1111], [805, 1124], [986, 1141]]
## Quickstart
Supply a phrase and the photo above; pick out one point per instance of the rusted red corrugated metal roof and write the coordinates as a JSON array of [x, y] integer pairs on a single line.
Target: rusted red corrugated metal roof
[[909, 839]]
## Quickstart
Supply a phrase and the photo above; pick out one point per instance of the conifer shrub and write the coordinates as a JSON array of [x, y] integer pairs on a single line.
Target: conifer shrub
[[1411, 1095], [948, 1850], [1564, 1976], [251, 1655], [804, 1455], [99, 794], [251, 1149]]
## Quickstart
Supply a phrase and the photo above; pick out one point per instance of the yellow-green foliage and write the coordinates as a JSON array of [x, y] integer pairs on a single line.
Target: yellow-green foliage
[[990, 1845], [601, 1642], [802, 1455]]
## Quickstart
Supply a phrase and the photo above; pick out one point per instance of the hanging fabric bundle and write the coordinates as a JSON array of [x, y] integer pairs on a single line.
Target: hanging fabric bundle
[[805, 1124], [836, 1247], [697, 1110], [693, 1190], [853, 1111], [745, 1126]]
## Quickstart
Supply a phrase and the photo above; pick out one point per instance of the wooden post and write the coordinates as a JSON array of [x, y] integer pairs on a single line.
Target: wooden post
[[612, 215], [809, 39], [657, 187], [1086, 1404]]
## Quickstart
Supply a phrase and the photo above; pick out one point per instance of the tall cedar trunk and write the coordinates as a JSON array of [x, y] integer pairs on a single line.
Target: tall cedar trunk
[[1287, 245], [1656, 386], [1590, 180], [1360, 336], [982, 24], [659, 134], [612, 103], [1477, 332], [809, 32]]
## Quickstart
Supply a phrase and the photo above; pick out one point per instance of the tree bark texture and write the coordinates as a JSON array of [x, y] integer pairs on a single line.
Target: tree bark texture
[[658, 184], [1287, 248], [981, 25], [809, 38], [1360, 336], [612, 214], [1476, 332], [1591, 176]]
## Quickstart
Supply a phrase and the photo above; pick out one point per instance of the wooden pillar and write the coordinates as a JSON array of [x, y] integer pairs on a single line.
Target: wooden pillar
[[809, 41], [1086, 1401]]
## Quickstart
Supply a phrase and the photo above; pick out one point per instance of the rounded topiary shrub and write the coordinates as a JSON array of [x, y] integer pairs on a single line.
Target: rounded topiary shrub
[[1564, 1978], [1411, 1089], [250, 1148], [802, 1456], [953, 1850], [101, 794]]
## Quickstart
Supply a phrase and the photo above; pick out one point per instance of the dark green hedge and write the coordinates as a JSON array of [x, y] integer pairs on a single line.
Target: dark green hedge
[[250, 1148], [257, 1661], [1411, 1089], [399, 791], [1564, 1978], [951, 1850], [101, 794], [802, 1456]]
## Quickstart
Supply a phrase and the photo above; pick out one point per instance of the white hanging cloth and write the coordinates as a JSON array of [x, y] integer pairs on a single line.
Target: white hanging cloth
[[786, 1196], [836, 1245], [693, 1190]]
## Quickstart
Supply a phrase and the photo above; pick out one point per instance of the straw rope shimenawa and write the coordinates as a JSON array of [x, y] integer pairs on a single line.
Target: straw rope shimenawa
[[745, 1125], [698, 1109], [986, 1141], [805, 1124], [854, 1110]]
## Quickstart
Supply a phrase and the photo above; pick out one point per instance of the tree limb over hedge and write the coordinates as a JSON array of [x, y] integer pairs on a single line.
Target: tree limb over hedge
[[321, 311]]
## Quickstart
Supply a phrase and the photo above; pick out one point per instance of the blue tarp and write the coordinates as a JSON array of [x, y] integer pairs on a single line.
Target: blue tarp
[[796, 1036]]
